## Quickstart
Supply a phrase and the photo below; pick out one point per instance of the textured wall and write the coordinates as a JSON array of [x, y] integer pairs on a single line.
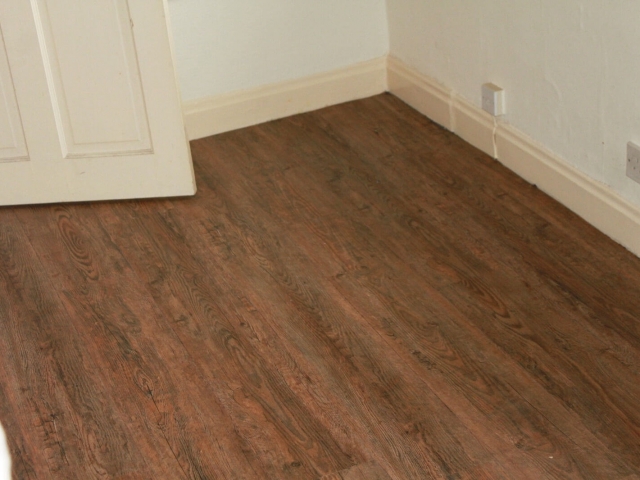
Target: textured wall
[[570, 69], [227, 45]]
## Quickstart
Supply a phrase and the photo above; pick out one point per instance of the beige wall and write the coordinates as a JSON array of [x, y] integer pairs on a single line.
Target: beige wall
[[229, 45], [571, 69]]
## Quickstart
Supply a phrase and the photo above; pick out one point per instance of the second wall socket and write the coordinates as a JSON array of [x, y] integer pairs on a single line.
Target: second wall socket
[[493, 99], [633, 161]]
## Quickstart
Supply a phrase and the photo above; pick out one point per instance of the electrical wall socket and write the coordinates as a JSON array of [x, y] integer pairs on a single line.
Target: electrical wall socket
[[633, 161], [493, 99]]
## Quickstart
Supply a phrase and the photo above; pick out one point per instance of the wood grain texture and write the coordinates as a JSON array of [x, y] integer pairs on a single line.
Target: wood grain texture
[[365, 471], [353, 293]]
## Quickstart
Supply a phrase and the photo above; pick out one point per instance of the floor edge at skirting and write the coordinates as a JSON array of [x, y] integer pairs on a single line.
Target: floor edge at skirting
[[222, 113], [595, 202]]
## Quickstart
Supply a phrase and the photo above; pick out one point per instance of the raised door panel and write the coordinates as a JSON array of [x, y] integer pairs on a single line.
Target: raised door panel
[[93, 77], [12, 143]]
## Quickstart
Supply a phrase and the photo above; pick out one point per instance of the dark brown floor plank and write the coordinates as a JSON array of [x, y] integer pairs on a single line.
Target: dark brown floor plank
[[367, 471], [59, 391], [287, 141], [548, 302], [316, 249], [328, 327], [254, 388], [353, 292], [123, 320]]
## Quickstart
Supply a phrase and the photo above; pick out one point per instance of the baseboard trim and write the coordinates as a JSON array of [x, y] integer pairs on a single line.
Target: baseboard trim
[[474, 125], [594, 201], [597, 203], [222, 113], [422, 93]]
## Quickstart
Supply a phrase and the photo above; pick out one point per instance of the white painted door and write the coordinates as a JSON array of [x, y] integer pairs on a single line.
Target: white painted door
[[89, 107]]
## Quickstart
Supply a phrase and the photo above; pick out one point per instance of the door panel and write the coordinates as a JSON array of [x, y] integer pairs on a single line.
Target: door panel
[[96, 92], [12, 143], [93, 77]]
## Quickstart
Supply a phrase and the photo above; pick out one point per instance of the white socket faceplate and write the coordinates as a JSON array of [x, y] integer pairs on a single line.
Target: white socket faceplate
[[493, 99]]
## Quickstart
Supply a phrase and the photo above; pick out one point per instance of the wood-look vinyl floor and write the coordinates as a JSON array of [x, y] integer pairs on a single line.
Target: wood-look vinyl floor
[[354, 293]]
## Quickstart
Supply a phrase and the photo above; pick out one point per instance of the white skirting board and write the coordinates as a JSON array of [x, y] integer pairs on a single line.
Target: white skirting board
[[223, 113], [597, 203]]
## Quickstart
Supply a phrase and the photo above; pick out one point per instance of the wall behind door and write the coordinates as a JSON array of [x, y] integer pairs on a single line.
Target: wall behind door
[[224, 46]]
